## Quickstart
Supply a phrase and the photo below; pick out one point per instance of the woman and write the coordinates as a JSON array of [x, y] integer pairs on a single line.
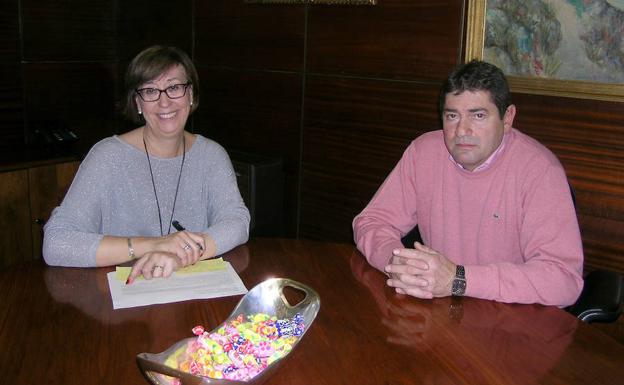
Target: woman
[[132, 190]]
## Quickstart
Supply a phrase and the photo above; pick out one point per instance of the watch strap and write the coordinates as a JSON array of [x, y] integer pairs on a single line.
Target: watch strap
[[458, 287], [460, 272]]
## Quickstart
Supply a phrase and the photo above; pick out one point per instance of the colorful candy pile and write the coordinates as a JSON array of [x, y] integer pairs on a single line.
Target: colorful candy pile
[[240, 349]]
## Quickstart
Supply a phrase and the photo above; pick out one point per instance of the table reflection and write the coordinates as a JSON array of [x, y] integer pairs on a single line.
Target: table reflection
[[492, 332]]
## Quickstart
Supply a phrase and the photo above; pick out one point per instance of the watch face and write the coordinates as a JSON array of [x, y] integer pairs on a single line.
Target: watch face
[[459, 287]]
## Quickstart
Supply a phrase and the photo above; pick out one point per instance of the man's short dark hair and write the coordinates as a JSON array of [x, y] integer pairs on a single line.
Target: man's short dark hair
[[478, 75]]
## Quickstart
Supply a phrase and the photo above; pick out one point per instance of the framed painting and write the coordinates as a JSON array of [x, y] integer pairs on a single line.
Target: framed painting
[[337, 2], [570, 48]]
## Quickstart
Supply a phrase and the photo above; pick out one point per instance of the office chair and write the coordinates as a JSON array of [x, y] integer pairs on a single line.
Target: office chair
[[602, 297]]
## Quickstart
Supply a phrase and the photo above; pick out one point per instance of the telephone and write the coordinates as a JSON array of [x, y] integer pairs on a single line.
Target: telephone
[[53, 137], [56, 135]]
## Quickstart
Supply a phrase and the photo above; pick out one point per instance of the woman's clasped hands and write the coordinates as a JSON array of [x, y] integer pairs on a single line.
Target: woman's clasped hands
[[167, 254]]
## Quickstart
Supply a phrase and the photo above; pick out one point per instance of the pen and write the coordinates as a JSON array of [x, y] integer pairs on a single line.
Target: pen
[[179, 227]]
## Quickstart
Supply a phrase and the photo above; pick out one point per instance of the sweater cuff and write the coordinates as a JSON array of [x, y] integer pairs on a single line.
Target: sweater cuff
[[481, 282], [382, 256]]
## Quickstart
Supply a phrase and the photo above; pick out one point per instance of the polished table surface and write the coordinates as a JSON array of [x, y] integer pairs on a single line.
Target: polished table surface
[[57, 326]]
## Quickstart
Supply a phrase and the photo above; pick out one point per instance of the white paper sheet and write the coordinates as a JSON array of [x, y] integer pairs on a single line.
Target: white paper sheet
[[180, 287]]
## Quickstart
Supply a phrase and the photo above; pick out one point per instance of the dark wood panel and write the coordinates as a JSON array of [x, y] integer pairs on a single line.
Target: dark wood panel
[[355, 131], [234, 34], [48, 185], [11, 105], [14, 218], [11, 108], [602, 242], [256, 112], [394, 39], [79, 96], [9, 28], [68, 30], [21, 164], [143, 23], [588, 138]]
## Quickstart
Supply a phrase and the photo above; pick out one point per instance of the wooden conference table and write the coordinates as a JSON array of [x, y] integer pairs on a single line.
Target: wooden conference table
[[57, 326]]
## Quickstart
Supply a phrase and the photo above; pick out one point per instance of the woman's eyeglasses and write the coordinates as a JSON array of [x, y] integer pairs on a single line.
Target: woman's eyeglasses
[[174, 91]]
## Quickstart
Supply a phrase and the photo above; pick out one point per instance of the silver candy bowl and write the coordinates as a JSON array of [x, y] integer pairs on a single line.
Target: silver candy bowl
[[267, 297]]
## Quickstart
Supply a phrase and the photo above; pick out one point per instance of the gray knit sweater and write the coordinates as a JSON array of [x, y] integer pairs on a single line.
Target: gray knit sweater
[[112, 194]]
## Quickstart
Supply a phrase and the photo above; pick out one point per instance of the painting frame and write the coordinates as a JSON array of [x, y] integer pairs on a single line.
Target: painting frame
[[327, 2], [475, 41]]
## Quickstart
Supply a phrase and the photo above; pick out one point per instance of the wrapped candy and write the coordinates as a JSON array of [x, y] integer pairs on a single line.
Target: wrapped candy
[[241, 348]]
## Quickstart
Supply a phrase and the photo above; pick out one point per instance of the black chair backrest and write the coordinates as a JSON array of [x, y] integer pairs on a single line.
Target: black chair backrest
[[602, 297]]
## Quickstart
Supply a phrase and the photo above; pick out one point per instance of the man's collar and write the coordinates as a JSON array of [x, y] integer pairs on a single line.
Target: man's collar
[[489, 160]]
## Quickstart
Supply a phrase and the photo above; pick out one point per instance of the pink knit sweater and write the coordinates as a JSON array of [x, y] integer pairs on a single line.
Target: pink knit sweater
[[512, 225]]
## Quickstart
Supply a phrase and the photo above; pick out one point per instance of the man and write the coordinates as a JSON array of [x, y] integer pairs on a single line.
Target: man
[[493, 206]]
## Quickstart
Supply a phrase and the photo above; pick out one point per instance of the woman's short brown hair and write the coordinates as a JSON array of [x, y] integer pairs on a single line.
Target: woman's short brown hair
[[148, 65]]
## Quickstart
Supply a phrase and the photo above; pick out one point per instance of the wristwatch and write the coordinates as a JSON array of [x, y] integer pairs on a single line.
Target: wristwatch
[[459, 282]]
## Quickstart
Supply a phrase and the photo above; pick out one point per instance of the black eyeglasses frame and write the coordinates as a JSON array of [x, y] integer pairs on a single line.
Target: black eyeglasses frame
[[160, 92]]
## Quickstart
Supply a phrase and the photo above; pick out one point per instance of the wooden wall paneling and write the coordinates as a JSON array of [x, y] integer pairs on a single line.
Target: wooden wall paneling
[[255, 112], [11, 104], [234, 34], [354, 133], [15, 235], [396, 39], [55, 30], [588, 138], [79, 96], [11, 110], [47, 188], [121, 123], [602, 242], [143, 23], [9, 28]]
